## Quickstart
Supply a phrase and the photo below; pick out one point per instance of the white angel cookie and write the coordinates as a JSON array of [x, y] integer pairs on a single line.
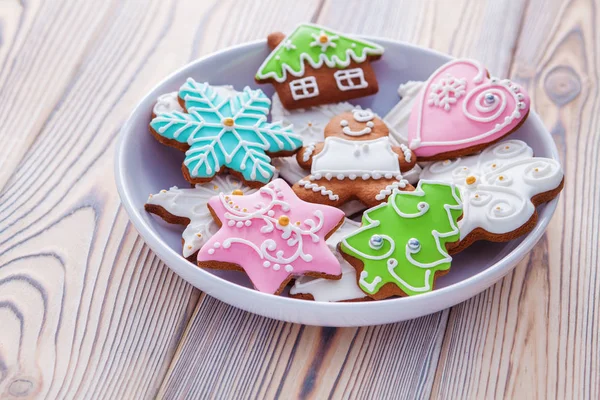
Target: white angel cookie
[[169, 102], [188, 207], [397, 118], [500, 187], [328, 290]]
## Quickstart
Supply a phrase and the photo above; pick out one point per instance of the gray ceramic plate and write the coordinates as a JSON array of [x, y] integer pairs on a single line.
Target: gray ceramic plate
[[144, 166]]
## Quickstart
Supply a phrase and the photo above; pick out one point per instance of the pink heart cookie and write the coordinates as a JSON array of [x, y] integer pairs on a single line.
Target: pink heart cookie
[[461, 110]]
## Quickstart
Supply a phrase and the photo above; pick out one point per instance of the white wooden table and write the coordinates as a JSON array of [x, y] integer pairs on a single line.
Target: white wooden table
[[88, 311]]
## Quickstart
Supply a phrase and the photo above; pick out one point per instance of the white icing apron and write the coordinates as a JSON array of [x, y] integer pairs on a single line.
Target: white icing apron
[[366, 157]]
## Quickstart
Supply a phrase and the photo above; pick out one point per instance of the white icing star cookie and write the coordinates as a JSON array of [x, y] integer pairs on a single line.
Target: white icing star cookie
[[329, 290]]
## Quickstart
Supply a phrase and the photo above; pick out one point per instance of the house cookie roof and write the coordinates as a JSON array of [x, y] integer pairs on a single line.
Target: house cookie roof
[[315, 45]]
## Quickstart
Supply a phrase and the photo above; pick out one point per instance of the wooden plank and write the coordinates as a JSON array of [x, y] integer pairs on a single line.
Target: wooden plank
[[227, 351], [39, 57], [535, 334], [86, 310]]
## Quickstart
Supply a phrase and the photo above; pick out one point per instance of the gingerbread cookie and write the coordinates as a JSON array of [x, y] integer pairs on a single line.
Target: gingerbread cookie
[[501, 188], [401, 247], [461, 111], [310, 125], [315, 65], [356, 161], [220, 134], [272, 236], [188, 207], [344, 289]]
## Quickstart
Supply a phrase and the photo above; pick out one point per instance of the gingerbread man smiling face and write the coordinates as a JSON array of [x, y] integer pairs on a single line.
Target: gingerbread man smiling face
[[357, 148]]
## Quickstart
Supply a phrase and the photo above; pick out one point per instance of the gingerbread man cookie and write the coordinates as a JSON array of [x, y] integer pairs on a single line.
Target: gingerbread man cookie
[[356, 161]]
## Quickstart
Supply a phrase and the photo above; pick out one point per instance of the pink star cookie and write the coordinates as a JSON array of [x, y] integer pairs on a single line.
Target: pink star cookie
[[273, 236]]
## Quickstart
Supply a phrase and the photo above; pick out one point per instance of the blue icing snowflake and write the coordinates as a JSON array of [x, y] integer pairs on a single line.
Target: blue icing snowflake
[[230, 132]]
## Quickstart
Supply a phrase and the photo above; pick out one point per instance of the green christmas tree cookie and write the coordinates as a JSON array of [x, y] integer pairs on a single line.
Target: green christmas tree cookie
[[401, 246]]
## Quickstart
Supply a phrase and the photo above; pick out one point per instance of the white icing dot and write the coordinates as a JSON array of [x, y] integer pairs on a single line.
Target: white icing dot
[[280, 195], [239, 224], [352, 177], [271, 213], [211, 251], [277, 57], [388, 176], [276, 267], [266, 264], [248, 223], [328, 176], [340, 176], [343, 123], [370, 124], [231, 222], [216, 245], [289, 268]]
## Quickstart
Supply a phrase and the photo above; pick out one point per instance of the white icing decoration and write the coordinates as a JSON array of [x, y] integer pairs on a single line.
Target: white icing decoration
[[288, 45], [423, 207], [328, 289], [390, 188], [368, 158], [446, 92], [191, 204], [294, 235], [407, 152], [166, 103], [397, 118], [329, 42], [304, 88], [368, 286], [360, 115], [308, 151], [316, 188], [362, 132], [169, 102], [346, 79], [497, 205]]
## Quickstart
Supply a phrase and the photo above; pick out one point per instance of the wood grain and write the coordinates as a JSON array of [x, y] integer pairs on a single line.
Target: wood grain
[[535, 334], [227, 351], [86, 310]]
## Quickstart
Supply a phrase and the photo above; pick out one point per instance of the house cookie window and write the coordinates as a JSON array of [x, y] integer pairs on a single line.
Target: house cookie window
[[304, 88], [350, 79]]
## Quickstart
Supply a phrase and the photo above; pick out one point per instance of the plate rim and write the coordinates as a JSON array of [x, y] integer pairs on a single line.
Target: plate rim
[[176, 262]]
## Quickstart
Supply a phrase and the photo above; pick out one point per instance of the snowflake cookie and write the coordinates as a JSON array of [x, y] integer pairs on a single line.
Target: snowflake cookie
[[272, 236], [188, 207], [501, 188], [220, 133], [401, 247]]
